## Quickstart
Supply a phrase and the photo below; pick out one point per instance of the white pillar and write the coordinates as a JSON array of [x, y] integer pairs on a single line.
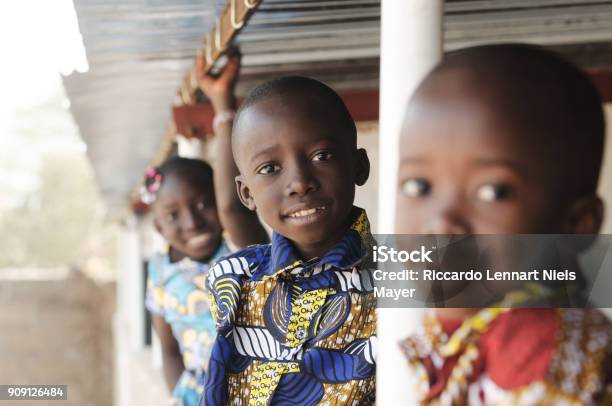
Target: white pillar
[[128, 323], [190, 147], [133, 281], [411, 44]]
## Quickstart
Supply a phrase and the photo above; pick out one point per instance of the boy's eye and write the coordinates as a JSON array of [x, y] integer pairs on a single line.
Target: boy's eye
[[322, 156], [268, 169], [492, 192], [415, 187]]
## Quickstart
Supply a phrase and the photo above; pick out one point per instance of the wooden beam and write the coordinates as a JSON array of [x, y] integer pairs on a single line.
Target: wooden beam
[[362, 104], [603, 81], [235, 16], [195, 120]]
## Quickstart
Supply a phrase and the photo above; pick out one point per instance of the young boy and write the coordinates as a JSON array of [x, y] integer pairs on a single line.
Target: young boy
[[505, 139], [296, 318]]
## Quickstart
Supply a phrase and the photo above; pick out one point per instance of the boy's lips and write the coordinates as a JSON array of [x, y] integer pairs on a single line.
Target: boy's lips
[[306, 214]]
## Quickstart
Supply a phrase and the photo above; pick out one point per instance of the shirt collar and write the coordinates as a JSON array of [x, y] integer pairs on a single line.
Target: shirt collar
[[354, 246]]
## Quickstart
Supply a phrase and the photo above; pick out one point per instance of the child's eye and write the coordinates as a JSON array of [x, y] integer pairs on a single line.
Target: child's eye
[[322, 156], [172, 216], [268, 169], [415, 187], [492, 192]]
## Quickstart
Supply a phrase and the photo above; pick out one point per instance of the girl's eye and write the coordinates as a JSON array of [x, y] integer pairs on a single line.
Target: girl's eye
[[173, 216], [493, 192], [322, 156], [268, 169], [415, 187]]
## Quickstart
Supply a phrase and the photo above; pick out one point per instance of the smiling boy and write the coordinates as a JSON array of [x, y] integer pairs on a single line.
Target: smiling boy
[[296, 318]]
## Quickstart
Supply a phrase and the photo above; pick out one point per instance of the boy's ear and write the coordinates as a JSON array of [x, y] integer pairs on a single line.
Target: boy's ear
[[362, 172], [585, 216], [244, 193]]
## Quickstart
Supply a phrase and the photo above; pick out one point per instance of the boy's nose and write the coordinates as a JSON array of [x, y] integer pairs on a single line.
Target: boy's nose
[[301, 181], [447, 220]]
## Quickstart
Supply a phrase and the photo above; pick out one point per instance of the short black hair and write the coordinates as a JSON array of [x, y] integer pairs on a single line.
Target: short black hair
[[311, 93], [193, 171], [549, 96], [187, 168]]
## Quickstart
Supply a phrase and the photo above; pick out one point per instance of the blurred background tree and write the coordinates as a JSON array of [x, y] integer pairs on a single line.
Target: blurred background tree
[[51, 212]]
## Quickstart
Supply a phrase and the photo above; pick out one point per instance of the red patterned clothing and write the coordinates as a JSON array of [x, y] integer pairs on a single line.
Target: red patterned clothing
[[523, 357]]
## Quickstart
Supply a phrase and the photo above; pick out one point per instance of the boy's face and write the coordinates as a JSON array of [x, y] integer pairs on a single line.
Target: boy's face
[[463, 169], [299, 172], [186, 216]]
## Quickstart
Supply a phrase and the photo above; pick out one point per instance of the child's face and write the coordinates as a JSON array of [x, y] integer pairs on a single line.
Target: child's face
[[299, 173], [186, 216], [464, 170]]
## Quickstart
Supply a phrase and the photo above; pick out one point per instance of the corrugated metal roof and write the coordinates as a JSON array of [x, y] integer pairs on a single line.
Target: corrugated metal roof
[[139, 50]]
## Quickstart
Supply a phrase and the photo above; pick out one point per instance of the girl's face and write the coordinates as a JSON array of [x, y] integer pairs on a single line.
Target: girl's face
[[186, 216]]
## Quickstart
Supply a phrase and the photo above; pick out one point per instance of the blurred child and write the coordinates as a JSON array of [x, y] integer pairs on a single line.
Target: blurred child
[[505, 139], [185, 214], [296, 318], [190, 213]]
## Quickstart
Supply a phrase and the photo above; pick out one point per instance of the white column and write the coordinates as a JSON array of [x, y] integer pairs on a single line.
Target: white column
[[190, 147], [133, 281], [128, 323], [411, 44]]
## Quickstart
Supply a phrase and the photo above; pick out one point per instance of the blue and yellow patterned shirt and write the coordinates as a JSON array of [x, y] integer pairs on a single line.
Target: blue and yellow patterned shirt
[[175, 292], [292, 331]]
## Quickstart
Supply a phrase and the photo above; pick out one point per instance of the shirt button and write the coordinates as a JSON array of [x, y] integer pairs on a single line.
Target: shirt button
[[300, 334]]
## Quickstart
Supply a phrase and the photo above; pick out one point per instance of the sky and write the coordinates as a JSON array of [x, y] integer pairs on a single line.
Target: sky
[[39, 39]]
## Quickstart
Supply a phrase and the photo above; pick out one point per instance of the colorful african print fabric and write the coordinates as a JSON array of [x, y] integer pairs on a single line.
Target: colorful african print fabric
[[294, 332], [523, 356], [175, 292]]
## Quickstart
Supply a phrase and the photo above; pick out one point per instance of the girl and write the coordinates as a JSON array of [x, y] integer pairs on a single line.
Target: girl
[[189, 215]]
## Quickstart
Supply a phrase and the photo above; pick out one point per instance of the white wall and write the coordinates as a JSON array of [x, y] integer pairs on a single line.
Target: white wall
[[366, 196]]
